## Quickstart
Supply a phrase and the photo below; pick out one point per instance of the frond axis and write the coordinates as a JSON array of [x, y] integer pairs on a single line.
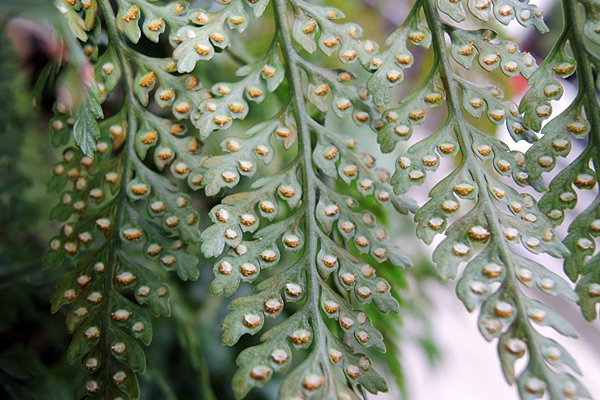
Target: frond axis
[[309, 193], [121, 209]]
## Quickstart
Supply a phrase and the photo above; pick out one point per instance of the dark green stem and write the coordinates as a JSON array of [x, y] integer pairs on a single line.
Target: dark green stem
[[127, 168], [291, 57]]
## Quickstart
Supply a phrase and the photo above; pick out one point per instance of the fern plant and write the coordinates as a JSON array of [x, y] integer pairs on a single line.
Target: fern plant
[[294, 202]]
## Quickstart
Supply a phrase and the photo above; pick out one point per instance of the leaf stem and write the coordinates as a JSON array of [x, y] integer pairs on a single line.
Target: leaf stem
[[291, 57], [127, 168]]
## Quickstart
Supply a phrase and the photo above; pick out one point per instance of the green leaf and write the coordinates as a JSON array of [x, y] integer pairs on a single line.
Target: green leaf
[[308, 200], [127, 20], [491, 276], [85, 129]]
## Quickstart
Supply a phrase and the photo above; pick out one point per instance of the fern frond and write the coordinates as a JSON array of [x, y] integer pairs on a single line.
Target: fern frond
[[326, 276], [124, 219], [579, 121], [506, 313]]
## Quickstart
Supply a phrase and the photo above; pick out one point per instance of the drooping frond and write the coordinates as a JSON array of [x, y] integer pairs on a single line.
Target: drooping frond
[[123, 218], [296, 211], [500, 219], [580, 121]]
